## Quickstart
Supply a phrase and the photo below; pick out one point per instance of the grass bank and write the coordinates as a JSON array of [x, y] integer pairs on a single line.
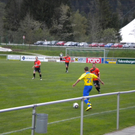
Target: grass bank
[[55, 51]]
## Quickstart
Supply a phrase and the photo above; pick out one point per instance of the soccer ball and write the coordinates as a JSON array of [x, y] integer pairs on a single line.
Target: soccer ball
[[75, 105]]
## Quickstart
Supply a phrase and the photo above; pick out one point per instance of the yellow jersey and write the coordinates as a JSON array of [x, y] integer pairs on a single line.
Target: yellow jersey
[[88, 78]]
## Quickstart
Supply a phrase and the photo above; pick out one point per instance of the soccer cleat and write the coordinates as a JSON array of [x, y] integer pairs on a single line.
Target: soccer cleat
[[88, 108], [33, 78], [40, 78], [99, 92]]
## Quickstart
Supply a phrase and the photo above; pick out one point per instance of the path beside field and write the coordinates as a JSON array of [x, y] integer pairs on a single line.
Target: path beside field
[[126, 131]]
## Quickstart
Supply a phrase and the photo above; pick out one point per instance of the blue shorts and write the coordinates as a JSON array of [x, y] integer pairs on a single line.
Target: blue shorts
[[87, 90]]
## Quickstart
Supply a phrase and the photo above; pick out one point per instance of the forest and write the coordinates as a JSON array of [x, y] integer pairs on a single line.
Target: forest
[[66, 20]]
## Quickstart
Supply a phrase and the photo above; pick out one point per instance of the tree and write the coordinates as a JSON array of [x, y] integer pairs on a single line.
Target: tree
[[2, 5], [61, 24], [33, 30], [41, 10], [109, 35], [105, 14], [79, 24], [12, 18], [94, 28]]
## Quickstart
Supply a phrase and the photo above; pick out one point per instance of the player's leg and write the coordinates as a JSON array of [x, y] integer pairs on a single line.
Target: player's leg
[[40, 75], [67, 67], [67, 64], [60, 59], [98, 86], [89, 101], [86, 91], [34, 73]]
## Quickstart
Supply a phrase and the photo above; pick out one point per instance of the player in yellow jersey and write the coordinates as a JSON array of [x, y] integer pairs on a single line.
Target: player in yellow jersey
[[88, 83]]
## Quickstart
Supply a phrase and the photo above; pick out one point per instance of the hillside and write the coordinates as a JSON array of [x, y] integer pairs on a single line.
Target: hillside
[[66, 20], [123, 7]]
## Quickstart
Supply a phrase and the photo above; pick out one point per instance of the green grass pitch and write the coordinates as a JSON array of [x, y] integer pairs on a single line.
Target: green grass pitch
[[18, 89]]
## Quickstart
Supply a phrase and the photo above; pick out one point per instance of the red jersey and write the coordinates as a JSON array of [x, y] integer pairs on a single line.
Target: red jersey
[[95, 71], [67, 59], [37, 63]]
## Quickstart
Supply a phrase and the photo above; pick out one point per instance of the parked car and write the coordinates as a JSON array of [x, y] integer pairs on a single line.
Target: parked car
[[83, 44], [133, 45], [54, 42], [75, 43], [117, 45], [101, 44], [109, 45], [39, 43], [69, 43], [93, 45], [61, 43], [46, 42], [127, 45]]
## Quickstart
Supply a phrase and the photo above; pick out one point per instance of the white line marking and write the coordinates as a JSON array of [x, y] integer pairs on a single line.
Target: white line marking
[[110, 111], [90, 115]]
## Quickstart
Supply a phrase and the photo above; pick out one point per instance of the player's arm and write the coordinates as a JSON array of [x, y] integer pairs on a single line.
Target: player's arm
[[79, 79], [76, 82], [70, 60], [99, 74], [100, 80], [34, 65]]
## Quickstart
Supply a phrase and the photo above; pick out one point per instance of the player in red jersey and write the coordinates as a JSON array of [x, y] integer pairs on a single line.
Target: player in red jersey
[[67, 61], [96, 71], [36, 67]]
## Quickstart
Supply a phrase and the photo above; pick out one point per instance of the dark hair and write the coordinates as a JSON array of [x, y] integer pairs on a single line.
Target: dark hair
[[86, 69]]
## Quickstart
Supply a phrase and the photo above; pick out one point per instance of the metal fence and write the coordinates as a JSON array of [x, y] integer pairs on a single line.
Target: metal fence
[[34, 106]]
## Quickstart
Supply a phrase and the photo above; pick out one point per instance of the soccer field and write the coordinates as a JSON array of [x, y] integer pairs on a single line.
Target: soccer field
[[18, 89]]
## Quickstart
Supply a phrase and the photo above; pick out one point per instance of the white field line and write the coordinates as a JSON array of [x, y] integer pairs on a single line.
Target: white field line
[[110, 111], [90, 115]]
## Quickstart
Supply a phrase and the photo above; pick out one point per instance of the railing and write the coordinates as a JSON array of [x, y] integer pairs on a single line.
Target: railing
[[67, 100]]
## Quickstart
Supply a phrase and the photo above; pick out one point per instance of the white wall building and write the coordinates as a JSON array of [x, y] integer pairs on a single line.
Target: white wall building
[[128, 33]]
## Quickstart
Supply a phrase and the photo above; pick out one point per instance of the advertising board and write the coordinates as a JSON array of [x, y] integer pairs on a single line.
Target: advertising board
[[80, 59], [110, 60], [126, 61], [93, 60], [13, 57], [31, 58]]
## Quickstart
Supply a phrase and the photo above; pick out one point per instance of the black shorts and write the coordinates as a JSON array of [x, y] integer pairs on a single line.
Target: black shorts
[[37, 70], [96, 83], [60, 59], [67, 64]]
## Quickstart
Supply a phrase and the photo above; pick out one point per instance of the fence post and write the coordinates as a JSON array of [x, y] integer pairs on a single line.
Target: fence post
[[81, 128], [118, 107], [33, 120]]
